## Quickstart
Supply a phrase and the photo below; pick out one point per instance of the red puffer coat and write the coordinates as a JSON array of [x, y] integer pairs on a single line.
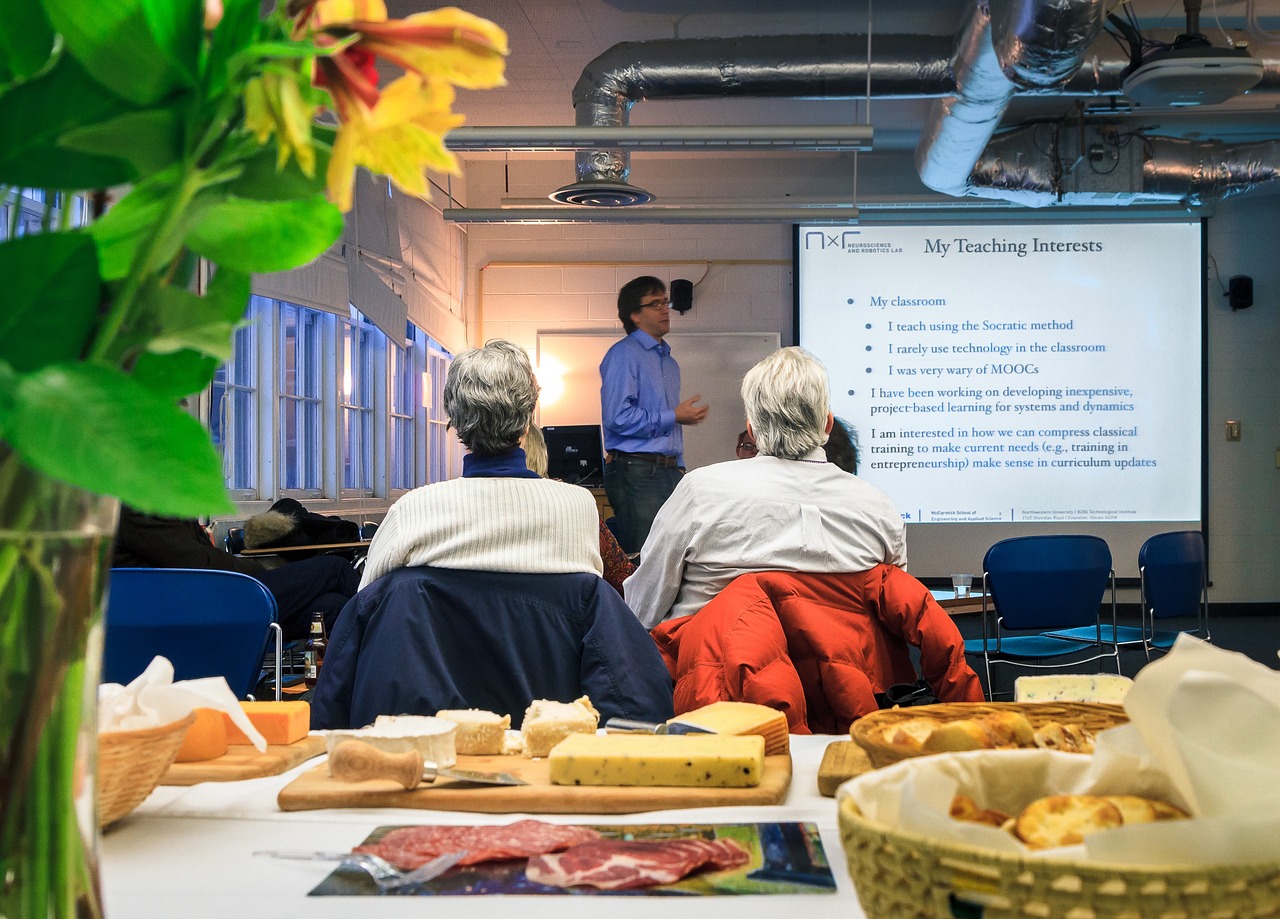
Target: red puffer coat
[[817, 646]]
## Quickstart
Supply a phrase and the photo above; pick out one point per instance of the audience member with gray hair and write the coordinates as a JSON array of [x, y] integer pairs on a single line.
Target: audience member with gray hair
[[786, 509], [500, 516]]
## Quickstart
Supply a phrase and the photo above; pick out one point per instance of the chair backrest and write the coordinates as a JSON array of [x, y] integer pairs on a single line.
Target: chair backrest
[[1172, 569], [423, 639], [1047, 582], [207, 623]]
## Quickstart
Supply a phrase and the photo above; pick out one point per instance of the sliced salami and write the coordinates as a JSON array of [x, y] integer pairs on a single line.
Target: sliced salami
[[614, 864], [410, 846]]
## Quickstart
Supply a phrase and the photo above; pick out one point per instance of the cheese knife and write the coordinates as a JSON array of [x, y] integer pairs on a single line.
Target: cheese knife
[[626, 726], [356, 761]]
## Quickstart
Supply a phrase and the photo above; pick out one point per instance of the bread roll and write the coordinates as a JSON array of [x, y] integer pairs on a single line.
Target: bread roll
[[1064, 820], [480, 733], [965, 808]]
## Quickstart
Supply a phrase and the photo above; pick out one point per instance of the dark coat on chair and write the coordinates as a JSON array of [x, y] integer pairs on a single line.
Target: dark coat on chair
[[419, 640], [817, 646]]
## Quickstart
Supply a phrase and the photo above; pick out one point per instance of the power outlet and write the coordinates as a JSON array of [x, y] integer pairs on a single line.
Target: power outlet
[[1233, 430]]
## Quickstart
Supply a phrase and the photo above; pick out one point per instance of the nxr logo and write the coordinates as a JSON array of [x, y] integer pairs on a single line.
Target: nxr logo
[[827, 238]]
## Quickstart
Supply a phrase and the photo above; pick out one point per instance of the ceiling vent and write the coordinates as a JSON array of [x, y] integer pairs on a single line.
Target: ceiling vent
[[601, 194], [1199, 75]]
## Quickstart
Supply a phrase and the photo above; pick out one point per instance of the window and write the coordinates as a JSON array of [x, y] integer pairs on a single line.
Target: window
[[301, 426], [233, 414], [318, 406]]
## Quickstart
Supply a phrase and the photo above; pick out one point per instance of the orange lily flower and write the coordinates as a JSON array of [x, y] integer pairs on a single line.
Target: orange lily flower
[[399, 137]]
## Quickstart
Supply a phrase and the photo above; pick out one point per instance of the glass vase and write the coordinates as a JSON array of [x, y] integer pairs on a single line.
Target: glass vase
[[55, 543]]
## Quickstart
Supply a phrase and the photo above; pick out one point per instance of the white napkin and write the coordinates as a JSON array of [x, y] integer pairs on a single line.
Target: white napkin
[[153, 699], [1204, 735]]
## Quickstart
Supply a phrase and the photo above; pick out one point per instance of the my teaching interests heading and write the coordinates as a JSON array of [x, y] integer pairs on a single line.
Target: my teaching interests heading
[[963, 246]]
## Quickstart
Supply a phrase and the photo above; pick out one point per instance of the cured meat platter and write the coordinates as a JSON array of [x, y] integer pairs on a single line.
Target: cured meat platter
[[642, 859], [242, 761], [316, 789]]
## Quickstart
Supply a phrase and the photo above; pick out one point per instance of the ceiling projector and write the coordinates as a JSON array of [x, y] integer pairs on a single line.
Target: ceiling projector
[[1198, 75]]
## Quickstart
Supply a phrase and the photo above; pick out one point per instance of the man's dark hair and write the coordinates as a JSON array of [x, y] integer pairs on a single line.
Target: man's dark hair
[[632, 293]]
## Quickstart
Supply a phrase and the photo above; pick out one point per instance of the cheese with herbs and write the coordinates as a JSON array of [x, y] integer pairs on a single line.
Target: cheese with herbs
[[1072, 687], [710, 760]]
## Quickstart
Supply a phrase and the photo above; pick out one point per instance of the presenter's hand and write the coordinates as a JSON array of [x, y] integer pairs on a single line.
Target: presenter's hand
[[687, 412]]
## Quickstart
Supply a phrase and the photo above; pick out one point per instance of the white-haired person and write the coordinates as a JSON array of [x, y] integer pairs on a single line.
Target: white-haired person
[[786, 509], [485, 591]]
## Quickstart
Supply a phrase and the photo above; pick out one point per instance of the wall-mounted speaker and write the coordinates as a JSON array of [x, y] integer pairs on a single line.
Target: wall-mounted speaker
[[681, 295], [1239, 292]]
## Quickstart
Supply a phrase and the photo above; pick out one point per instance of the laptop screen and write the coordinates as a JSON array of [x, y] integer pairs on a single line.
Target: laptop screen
[[575, 454]]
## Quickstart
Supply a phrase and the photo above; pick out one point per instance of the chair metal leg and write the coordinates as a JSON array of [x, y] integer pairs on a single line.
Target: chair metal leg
[[279, 639]]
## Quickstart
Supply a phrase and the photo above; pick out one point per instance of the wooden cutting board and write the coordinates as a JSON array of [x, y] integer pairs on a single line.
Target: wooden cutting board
[[315, 789], [843, 760], [242, 761]]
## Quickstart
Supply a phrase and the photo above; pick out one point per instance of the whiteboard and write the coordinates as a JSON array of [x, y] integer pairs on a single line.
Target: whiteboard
[[712, 365]]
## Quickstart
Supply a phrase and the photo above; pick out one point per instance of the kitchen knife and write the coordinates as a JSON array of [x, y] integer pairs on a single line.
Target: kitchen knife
[[356, 761], [625, 726]]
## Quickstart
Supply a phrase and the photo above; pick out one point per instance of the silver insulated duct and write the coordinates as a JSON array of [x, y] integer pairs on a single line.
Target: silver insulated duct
[[1006, 48]]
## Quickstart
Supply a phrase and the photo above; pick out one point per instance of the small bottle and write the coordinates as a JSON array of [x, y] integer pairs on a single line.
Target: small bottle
[[314, 655]]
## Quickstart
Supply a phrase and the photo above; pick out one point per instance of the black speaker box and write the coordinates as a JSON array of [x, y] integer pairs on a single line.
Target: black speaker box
[[681, 295], [1239, 292]]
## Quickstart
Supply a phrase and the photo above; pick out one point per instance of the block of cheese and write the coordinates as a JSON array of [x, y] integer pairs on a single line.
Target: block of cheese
[[277, 722], [1072, 687], [711, 760], [479, 733], [743, 718], [546, 723], [430, 736], [205, 739]]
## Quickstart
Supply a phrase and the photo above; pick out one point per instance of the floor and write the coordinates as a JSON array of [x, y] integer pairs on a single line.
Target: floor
[[1257, 637]]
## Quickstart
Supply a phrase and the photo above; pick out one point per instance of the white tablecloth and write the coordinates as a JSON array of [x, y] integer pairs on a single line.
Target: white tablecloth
[[188, 852]]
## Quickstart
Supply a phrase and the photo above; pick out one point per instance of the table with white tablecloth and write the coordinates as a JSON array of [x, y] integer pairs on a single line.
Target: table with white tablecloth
[[189, 851]]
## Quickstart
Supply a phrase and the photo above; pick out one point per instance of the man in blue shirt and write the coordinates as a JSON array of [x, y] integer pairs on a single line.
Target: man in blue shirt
[[641, 411]]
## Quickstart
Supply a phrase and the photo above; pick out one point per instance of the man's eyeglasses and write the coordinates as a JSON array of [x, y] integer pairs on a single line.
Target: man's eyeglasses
[[663, 304], [746, 448]]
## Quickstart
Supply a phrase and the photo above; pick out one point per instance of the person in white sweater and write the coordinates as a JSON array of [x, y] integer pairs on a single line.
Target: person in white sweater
[[500, 516]]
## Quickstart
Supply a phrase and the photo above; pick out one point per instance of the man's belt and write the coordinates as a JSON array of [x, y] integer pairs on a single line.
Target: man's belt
[[658, 459]]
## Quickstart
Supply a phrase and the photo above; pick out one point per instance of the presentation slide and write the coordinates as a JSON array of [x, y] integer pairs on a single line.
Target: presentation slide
[[1029, 379]]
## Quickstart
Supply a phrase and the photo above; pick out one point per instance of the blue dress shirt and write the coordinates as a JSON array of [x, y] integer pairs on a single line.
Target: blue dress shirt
[[639, 392]]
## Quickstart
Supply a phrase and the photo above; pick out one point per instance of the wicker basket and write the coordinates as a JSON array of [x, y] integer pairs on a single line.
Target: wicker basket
[[131, 764], [870, 731], [899, 875]]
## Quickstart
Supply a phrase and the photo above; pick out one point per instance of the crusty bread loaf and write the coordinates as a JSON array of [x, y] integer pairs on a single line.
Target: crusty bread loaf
[[964, 807], [546, 723], [1064, 820], [1069, 738], [480, 733]]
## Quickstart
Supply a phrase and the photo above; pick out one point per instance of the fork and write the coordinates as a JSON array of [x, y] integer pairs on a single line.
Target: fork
[[388, 877]]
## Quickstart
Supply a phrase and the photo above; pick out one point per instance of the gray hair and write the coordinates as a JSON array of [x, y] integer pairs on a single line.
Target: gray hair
[[787, 398], [535, 451], [489, 396]]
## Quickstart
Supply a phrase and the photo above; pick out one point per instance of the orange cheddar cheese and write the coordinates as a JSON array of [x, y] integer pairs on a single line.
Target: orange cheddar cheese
[[278, 722], [206, 738]]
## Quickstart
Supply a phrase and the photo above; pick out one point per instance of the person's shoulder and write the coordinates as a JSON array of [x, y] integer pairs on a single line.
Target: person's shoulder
[[625, 345]]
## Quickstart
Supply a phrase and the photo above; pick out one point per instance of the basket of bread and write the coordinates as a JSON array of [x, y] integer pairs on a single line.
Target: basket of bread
[[894, 734], [1177, 813]]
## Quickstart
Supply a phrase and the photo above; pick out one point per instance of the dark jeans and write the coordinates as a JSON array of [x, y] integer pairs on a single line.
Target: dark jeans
[[324, 583], [636, 490]]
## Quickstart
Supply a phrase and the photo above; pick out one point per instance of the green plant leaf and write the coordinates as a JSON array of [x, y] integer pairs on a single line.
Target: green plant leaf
[[149, 141], [181, 319], [130, 222], [51, 299], [265, 236], [213, 340], [141, 50], [46, 107], [173, 376], [238, 28], [99, 429], [262, 181], [26, 41], [228, 294]]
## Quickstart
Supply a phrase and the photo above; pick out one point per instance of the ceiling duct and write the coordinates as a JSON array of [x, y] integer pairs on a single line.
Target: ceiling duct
[[1006, 48], [789, 66], [1072, 164]]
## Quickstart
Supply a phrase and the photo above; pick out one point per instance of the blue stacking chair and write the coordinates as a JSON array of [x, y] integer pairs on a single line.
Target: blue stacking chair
[[207, 623], [1038, 584], [1174, 583]]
